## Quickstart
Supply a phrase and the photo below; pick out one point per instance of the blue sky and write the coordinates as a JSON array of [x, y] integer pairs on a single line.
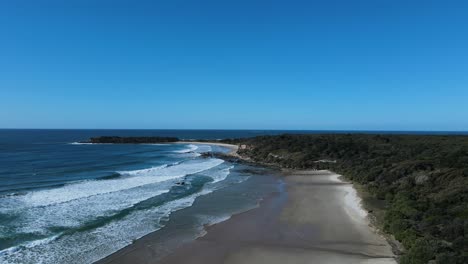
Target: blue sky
[[365, 65]]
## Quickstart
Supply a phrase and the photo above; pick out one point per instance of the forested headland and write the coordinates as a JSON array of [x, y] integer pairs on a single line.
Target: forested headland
[[422, 180]]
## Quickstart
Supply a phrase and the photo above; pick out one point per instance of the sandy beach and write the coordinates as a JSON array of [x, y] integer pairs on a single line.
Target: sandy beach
[[232, 148], [314, 218]]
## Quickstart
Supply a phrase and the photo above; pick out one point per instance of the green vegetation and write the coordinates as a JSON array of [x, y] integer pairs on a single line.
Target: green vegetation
[[423, 181], [131, 140]]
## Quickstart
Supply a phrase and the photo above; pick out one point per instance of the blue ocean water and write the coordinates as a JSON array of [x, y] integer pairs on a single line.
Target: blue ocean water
[[66, 202]]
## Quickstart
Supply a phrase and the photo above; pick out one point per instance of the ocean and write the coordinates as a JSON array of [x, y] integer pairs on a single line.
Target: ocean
[[66, 202]]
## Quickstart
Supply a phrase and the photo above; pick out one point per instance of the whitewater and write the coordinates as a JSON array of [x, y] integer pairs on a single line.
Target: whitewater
[[84, 220]]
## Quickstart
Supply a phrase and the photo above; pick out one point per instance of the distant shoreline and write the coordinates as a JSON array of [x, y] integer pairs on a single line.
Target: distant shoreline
[[154, 140], [232, 148]]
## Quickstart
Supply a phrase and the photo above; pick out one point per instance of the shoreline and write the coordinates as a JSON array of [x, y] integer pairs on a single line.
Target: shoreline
[[293, 226], [177, 230], [316, 216], [232, 148]]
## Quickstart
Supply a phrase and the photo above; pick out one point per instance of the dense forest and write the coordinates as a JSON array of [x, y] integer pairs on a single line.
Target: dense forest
[[422, 180]]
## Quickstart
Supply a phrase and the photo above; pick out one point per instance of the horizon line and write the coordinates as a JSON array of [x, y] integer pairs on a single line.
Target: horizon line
[[242, 129]]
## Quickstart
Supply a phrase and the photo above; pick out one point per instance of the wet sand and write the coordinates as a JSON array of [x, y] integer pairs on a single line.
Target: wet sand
[[315, 218]]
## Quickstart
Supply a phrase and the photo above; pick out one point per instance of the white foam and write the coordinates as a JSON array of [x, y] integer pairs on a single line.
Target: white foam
[[8, 251], [149, 171], [61, 208], [101, 241], [41, 241], [211, 220], [190, 148], [11, 250], [75, 204], [221, 175], [80, 143], [204, 148], [77, 212], [97, 187]]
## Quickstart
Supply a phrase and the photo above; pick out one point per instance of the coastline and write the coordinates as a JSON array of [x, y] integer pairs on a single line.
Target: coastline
[[232, 148], [315, 217], [207, 210]]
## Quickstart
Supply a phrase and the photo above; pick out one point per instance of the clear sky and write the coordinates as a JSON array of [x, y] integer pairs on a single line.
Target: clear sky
[[242, 64]]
